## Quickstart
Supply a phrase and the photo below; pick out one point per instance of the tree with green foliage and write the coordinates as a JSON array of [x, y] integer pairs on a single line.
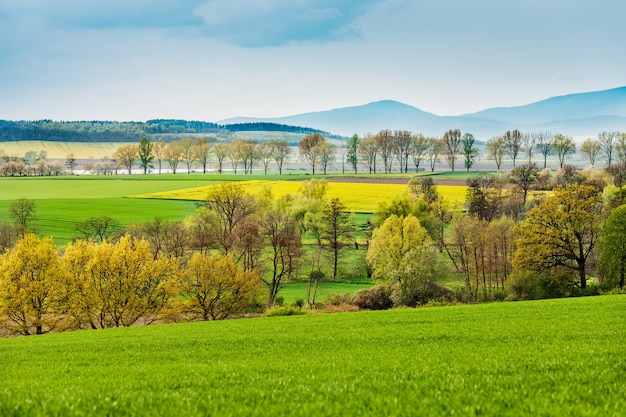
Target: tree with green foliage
[[591, 149], [561, 233], [403, 252], [470, 152], [23, 214], [97, 228], [145, 154], [563, 146], [613, 249], [352, 152], [496, 147], [337, 229]]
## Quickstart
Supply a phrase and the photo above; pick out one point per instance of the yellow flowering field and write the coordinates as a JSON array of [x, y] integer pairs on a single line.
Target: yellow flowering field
[[358, 197]]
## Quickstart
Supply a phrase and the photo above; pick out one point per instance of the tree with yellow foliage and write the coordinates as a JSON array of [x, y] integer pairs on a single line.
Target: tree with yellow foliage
[[32, 283], [120, 284], [218, 288]]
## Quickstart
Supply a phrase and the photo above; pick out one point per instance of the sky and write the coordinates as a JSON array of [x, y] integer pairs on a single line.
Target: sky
[[215, 59]]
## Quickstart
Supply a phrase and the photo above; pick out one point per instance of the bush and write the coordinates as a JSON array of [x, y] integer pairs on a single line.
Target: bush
[[338, 299], [375, 298], [530, 286], [284, 311], [299, 303], [412, 296], [279, 301]]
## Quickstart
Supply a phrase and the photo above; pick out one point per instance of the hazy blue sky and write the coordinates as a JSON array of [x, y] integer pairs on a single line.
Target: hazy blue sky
[[213, 59]]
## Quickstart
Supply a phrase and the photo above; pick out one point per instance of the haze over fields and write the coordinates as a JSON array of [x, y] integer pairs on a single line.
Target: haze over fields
[[217, 59]]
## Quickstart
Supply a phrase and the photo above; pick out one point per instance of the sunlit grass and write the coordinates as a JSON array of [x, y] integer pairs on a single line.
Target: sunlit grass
[[550, 357]]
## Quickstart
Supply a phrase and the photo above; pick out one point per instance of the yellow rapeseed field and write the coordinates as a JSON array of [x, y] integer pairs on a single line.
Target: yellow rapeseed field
[[358, 197]]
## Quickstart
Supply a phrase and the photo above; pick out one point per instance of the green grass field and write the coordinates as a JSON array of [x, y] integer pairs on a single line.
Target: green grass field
[[61, 202], [552, 357]]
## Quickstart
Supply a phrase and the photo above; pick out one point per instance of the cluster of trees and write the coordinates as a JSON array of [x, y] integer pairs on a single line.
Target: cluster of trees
[[32, 164], [501, 246], [209, 266]]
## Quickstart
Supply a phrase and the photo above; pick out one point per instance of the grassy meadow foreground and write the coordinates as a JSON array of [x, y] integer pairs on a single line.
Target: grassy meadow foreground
[[550, 357]]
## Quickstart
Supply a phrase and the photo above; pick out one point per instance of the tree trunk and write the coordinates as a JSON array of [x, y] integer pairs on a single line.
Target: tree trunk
[[583, 275]]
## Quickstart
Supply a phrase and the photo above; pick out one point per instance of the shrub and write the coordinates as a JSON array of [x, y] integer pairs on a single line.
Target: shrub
[[279, 301], [284, 311], [375, 298], [338, 299], [426, 291]]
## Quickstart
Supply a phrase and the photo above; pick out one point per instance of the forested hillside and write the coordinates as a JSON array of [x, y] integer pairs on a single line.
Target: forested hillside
[[108, 131]]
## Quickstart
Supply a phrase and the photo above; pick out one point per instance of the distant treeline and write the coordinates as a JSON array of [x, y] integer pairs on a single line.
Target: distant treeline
[[106, 131]]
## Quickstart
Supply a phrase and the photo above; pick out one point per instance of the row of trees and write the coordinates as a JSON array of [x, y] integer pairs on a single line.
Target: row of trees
[[202, 151], [387, 149]]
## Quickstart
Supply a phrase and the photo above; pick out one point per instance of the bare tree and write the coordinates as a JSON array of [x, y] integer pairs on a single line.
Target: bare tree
[[202, 152], [513, 140], [368, 152], [543, 142], [280, 151], [434, 150], [419, 149], [607, 142], [451, 145], [402, 147], [221, 151], [528, 145], [309, 149], [188, 153], [384, 139], [265, 151], [158, 149], [173, 155]]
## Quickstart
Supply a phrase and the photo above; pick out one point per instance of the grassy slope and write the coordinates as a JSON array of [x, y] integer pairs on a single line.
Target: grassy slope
[[552, 357]]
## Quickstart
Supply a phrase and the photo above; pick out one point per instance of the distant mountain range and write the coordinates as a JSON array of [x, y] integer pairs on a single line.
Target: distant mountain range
[[582, 114]]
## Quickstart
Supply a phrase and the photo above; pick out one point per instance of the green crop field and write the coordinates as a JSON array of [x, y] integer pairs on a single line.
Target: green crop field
[[63, 201], [552, 357]]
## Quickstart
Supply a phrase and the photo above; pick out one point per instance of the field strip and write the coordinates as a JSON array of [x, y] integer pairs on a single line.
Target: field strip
[[358, 197]]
